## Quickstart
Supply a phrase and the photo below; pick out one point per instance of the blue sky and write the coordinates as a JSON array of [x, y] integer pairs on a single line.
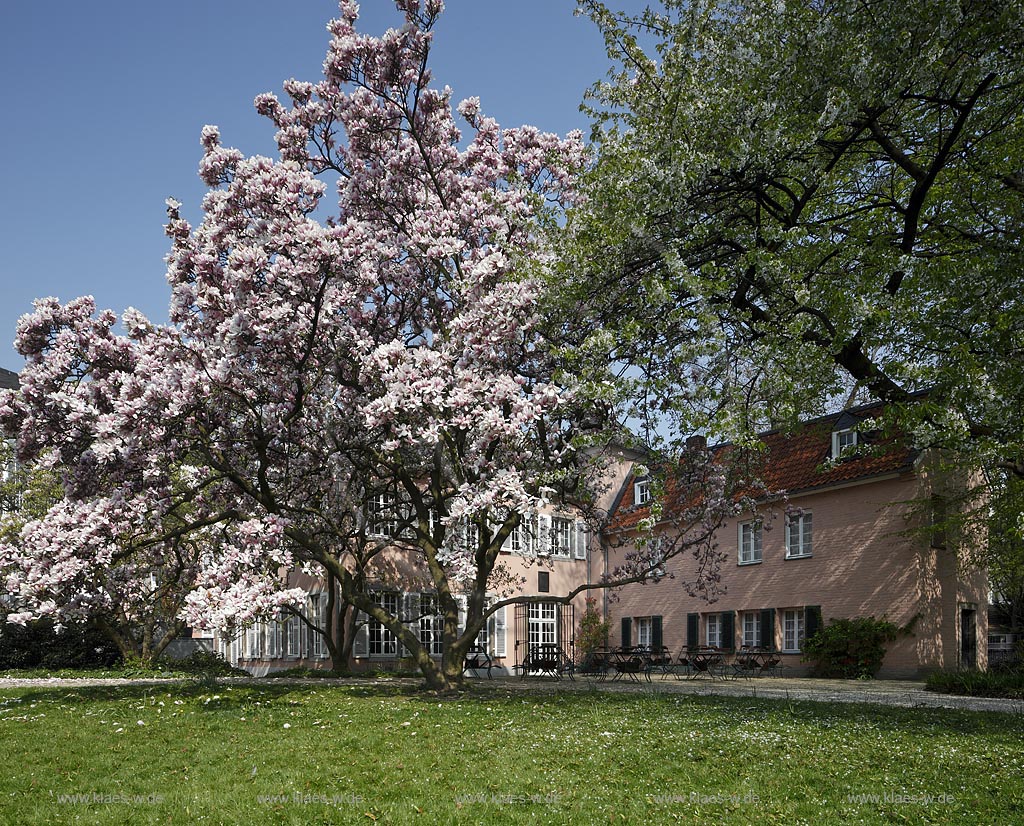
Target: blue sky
[[106, 101]]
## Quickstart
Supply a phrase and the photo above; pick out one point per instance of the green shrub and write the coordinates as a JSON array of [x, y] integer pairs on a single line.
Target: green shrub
[[593, 632], [851, 648], [205, 663], [39, 645], [978, 683]]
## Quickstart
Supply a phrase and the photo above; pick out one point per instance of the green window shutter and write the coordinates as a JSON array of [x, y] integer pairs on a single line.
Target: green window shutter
[[692, 630], [656, 635], [728, 629], [812, 620], [767, 628], [627, 632]]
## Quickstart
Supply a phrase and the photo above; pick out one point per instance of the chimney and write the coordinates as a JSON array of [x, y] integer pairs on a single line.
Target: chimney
[[697, 442]]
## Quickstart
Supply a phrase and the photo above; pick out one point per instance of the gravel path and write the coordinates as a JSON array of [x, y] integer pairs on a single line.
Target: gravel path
[[907, 694]]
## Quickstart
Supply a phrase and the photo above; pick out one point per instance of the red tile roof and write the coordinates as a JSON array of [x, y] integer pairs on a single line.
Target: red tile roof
[[801, 460]]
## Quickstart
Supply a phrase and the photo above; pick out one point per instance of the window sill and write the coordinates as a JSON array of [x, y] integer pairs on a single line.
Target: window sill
[[799, 556], [750, 562]]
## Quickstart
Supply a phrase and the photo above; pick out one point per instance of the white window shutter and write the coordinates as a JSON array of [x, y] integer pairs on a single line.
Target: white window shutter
[[582, 540], [463, 611], [323, 625], [507, 544], [543, 534], [497, 637], [411, 617], [361, 643]]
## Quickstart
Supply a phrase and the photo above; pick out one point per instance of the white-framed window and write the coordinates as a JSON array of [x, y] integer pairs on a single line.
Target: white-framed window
[[275, 639], [294, 637], [750, 542], [471, 535], [656, 557], [492, 635], [751, 629], [798, 535], [430, 625], [523, 539], [380, 515], [382, 642], [543, 623], [643, 627], [792, 630], [641, 492], [843, 441], [714, 630], [562, 529], [316, 611]]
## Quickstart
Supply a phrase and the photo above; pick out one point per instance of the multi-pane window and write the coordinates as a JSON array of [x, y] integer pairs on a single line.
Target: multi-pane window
[[431, 624], [798, 534], [643, 631], [520, 540], [843, 441], [561, 535], [543, 625], [792, 630], [294, 636], [642, 492], [274, 639], [316, 612], [750, 542], [381, 641], [492, 635], [714, 636], [751, 629], [471, 534], [380, 515]]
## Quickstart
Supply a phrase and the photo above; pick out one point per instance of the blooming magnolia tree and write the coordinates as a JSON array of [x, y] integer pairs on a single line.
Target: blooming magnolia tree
[[328, 389], [388, 353]]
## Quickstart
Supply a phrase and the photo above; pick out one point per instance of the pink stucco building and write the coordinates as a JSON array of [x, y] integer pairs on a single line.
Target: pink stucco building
[[858, 541], [855, 541]]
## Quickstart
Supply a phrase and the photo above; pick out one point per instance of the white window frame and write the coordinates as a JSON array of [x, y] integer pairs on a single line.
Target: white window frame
[[381, 516], [562, 530], [751, 629], [751, 542], [492, 635], [843, 441], [713, 631], [799, 535], [430, 624], [542, 623], [642, 492], [644, 631], [293, 638], [793, 631], [381, 642]]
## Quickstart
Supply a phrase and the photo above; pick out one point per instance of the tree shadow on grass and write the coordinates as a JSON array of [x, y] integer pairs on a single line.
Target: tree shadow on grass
[[649, 705]]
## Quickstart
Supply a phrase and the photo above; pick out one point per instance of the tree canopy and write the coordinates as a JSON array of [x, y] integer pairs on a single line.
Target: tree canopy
[[795, 199]]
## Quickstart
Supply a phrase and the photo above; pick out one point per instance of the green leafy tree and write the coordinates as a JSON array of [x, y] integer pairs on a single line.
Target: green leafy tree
[[798, 200]]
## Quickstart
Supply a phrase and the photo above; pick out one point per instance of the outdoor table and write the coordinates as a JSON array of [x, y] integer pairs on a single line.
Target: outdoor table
[[628, 663], [546, 660], [704, 661], [477, 659], [656, 660], [752, 662], [597, 663]]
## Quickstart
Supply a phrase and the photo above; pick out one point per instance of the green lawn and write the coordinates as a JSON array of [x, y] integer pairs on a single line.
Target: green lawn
[[309, 755]]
